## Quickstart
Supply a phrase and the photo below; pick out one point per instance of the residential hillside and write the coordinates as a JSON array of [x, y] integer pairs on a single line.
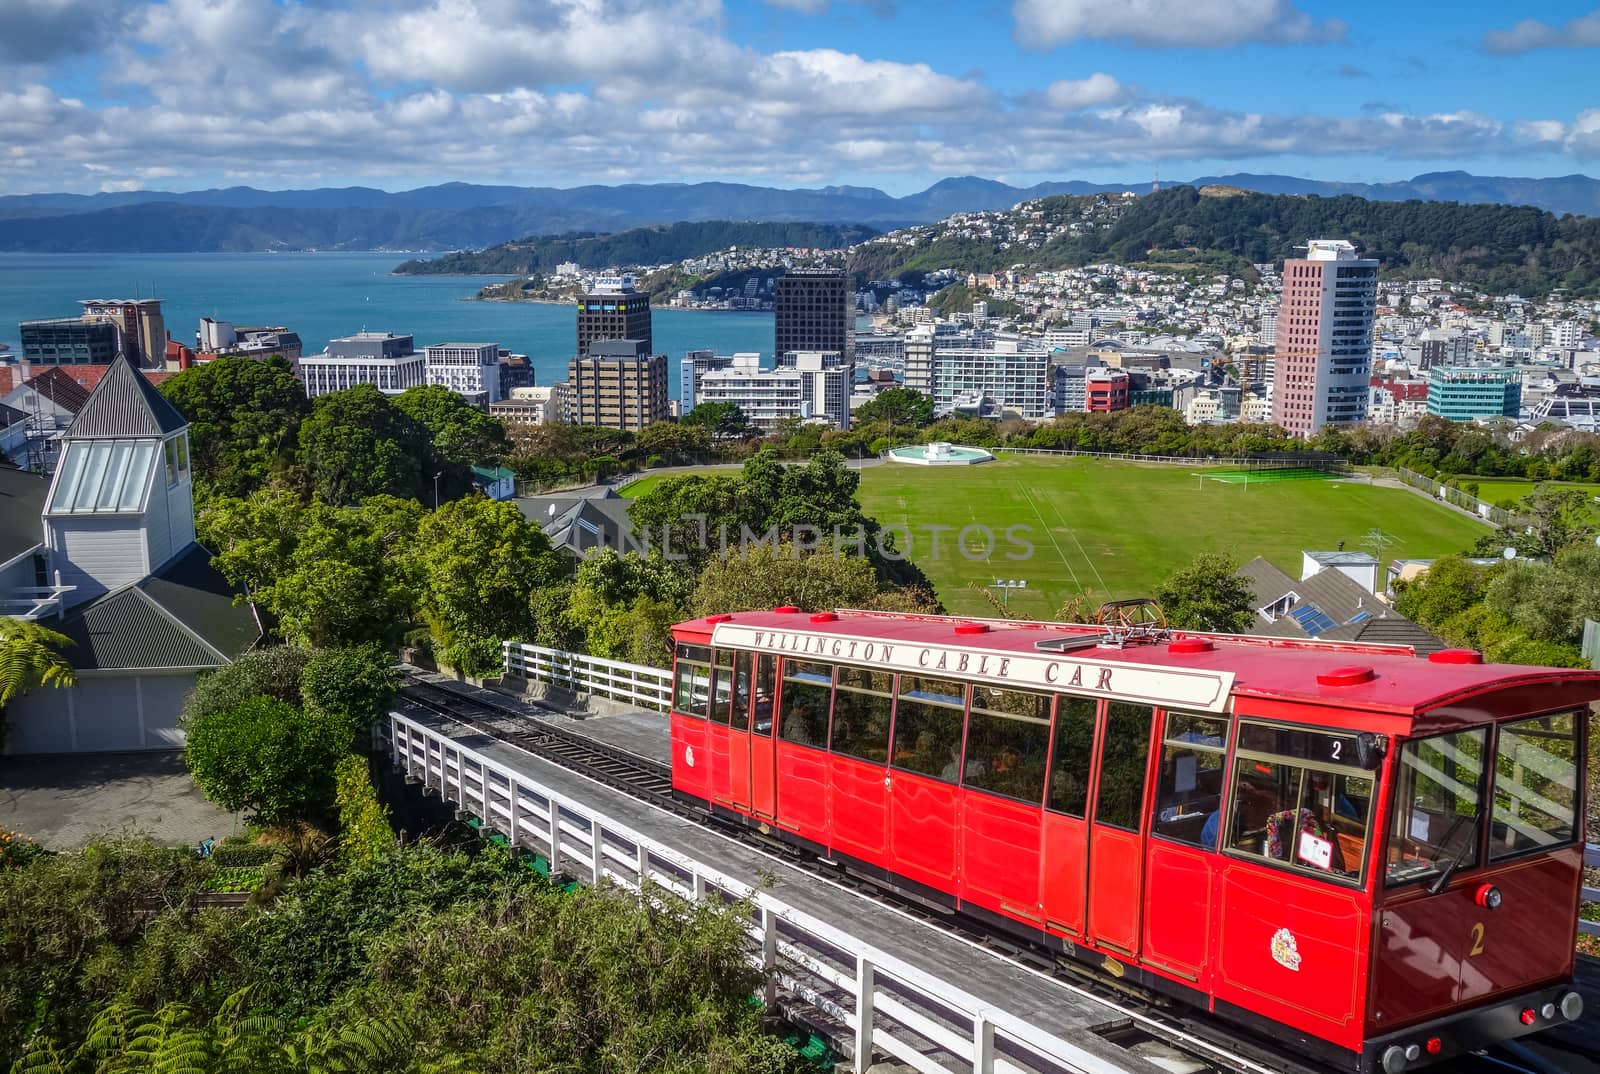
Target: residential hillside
[[636, 246], [1498, 247]]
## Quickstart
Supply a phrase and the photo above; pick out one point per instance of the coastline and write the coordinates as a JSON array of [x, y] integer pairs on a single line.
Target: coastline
[[569, 301]]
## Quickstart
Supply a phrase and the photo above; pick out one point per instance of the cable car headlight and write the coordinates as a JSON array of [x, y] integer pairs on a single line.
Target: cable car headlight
[[1487, 896]]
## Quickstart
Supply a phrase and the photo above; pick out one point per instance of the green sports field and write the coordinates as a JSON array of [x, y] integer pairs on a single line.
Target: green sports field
[[1117, 528], [1495, 489]]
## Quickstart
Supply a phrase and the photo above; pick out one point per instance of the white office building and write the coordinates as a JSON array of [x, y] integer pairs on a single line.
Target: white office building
[[812, 388], [534, 405], [383, 359], [468, 369], [1011, 371]]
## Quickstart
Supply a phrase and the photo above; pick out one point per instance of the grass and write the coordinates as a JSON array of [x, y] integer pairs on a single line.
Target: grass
[[1117, 528], [1495, 489], [636, 488]]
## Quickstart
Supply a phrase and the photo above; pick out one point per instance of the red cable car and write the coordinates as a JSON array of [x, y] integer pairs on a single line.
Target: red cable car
[[1376, 858]]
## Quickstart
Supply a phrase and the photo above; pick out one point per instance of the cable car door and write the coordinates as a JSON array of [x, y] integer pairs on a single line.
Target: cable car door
[[763, 757], [739, 735], [1116, 830], [718, 735]]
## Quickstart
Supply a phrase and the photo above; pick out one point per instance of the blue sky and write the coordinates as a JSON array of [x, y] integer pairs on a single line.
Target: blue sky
[[185, 94]]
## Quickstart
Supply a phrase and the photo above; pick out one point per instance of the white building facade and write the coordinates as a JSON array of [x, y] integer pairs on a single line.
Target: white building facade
[[468, 369], [386, 361]]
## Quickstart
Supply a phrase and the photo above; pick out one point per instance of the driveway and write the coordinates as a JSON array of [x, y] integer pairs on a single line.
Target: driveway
[[63, 801]]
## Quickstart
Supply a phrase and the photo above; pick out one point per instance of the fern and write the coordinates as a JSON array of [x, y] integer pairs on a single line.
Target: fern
[[29, 658]]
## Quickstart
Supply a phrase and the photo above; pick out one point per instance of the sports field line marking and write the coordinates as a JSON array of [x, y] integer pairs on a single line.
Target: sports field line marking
[[1084, 552], [1047, 533]]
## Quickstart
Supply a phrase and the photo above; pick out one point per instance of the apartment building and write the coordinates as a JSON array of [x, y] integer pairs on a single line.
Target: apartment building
[[389, 362], [811, 386], [619, 384], [468, 369], [1324, 337]]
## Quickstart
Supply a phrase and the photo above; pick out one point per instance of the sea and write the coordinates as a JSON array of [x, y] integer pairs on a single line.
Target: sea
[[326, 295]]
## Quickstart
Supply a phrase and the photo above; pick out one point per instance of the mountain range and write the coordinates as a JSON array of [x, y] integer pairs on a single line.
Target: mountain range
[[464, 215]]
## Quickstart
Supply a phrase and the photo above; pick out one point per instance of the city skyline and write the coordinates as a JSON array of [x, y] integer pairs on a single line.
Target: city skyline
[[189, 94]]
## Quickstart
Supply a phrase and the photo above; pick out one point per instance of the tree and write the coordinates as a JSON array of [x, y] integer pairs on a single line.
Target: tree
[[897, 406], [267, 756], [30, 657], [1207, 594], [329, 575], [625, 605], [479, 563], [273, 672], [352, 684], [673, 443], [461, 435], [1549, 519], [1450, 586], [356, 443], [722, 420], [244, 421], [765, 576]]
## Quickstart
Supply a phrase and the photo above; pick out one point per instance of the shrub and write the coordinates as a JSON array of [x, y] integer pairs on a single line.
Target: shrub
[[266, 756], [351, 685], [363, 820], [274, 672]]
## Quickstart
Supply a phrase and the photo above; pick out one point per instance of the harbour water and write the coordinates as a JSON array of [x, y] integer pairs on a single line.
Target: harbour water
[[325, 295]]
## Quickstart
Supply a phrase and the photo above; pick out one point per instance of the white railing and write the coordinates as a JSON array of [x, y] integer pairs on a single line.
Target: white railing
[[1457, 496], [876, 1002], [614, 679], [1591, 859]]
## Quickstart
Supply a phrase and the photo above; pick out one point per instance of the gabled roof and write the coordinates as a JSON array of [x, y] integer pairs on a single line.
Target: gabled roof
[[57, 385], [125, 406], [183, 617], [581, 524], [1331, 606]]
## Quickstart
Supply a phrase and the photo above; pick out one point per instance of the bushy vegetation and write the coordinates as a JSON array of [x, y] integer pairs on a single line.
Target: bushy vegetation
[[408, 959]]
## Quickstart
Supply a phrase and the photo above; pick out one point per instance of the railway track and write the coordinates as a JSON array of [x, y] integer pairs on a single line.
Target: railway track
[[1224, 1049]]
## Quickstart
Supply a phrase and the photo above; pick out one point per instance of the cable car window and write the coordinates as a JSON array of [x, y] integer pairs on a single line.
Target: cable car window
[[1074, 753], [721, 685], [1535, 785], [740, 716], [1123, 759], [927, 726], [1008, 743], [766, 689], [862, 704], [691, 681], [1312, 817], [1194, 753], [1438, 794], [803, 708]]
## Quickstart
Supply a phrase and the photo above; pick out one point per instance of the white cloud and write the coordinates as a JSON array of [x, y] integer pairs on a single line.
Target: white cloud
[[1169, 23], [1072, 94], [1529, 34]]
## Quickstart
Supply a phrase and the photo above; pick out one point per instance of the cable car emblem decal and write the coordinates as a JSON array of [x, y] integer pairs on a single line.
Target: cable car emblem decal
[[1285, 951]]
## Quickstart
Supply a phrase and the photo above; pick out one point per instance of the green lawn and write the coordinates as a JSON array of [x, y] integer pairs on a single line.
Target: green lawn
[[1495, 489], [639, 486], [1116, 528]]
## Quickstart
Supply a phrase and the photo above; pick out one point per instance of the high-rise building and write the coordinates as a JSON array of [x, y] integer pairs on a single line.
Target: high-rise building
[[532, 405], [1105, 390], [815, 310], [1324, 337], [383, 359], [68, 341], [139, 321], [613, 310], [619, 384], [468, 369]]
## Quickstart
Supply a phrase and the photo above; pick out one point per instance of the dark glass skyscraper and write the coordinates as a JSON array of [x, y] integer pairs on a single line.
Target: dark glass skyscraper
[[815, 310], [614, 310]]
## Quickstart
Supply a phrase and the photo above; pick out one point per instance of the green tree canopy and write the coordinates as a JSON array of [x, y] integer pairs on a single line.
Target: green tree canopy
[[1207, 594], [479, 563], [720, 419], [1449, 587], [353, 684], [357, 443], [461, 435], [898, 406], [244, 421], [625, 605], [269, 757]]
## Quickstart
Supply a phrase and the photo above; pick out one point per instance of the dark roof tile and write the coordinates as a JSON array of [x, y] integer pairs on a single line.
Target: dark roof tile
[[21, 504], [124, 404]]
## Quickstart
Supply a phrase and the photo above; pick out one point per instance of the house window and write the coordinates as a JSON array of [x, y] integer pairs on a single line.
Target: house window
[[1280, 607]]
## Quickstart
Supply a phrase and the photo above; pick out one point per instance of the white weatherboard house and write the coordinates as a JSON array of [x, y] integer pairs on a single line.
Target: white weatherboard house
[[117, 571]]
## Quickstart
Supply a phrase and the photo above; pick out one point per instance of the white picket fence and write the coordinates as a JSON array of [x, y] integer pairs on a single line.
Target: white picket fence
[[634, 683], [885, 1004]]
